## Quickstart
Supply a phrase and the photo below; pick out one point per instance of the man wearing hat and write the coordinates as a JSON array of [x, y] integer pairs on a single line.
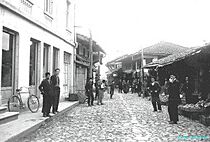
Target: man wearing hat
[[174, 99]]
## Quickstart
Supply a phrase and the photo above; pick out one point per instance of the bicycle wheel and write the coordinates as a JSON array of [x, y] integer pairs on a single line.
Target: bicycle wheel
[[33, 103], [14, 104]]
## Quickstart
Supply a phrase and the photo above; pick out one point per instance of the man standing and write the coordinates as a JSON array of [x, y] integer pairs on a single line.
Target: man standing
[[55, 81], [46, 90], [174, 99], [112, 89], [187, 89], [120, 86], [89, 91], [138, 87], [133, 87], [154, 89]]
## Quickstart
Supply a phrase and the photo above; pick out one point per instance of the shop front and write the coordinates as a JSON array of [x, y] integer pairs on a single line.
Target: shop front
[[194, 64]]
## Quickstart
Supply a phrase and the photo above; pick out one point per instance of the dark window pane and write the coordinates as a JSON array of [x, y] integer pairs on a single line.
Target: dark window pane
[[55, 58], [32, 69], [45, 59]]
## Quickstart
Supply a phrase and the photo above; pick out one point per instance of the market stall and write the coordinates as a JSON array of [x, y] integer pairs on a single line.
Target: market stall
[[194, 64], [199, 111]]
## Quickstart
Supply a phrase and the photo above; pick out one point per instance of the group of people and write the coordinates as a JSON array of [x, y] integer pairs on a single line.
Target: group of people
[[50, 89], [135, 85], [100, 88], [173, 88]]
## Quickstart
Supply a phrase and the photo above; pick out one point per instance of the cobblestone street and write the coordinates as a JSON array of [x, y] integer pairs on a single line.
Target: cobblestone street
[[125, 118]]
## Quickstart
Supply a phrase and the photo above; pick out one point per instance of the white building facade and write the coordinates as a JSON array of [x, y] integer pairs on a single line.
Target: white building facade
[[36, 36]]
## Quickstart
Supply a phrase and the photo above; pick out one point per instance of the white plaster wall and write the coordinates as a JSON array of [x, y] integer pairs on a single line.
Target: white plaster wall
[[26, 30]]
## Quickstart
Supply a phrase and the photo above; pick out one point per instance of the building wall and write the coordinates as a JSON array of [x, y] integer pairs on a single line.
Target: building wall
[[37, 25]]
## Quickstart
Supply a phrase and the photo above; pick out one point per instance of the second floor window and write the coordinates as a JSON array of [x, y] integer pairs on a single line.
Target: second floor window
[[48, 7]]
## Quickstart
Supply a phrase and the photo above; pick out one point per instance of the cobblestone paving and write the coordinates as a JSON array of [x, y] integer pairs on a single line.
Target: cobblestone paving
[[126, 118]]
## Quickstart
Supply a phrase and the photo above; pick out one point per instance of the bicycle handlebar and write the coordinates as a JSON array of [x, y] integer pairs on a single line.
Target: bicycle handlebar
[[21, 88]]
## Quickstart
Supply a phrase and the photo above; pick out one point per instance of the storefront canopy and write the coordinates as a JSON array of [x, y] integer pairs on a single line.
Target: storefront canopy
[[174, 58]]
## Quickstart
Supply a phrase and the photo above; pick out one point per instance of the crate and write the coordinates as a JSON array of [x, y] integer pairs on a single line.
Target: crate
[[194, 115], [205, 120], [82, 97]]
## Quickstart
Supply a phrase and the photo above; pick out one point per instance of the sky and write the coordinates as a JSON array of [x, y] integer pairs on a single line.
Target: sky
[[125, 26]]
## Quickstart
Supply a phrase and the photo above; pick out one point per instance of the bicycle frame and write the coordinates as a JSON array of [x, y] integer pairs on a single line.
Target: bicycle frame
[[18, 94]]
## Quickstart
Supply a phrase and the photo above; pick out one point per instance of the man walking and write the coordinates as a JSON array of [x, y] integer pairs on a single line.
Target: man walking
[[97, 89], [89, 91], [112, 89], [55, 81], [174, 99], [154, 89], [46, 90]]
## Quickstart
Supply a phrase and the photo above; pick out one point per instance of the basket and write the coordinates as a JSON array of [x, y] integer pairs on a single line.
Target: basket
[[192, 114]]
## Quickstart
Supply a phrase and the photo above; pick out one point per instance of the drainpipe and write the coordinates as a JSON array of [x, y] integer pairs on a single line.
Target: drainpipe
[[74, 51], [91, 54]]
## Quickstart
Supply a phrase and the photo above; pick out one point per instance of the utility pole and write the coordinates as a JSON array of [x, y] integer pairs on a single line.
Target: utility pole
[[91, 55], [142, 71]]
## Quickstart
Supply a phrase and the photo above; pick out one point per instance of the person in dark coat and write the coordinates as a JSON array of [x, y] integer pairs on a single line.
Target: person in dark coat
[[174, 99], [89, 91], [187, 89], [97, 89], [124, 84], [112, 89], [120, 86], [138, 87], [55, 81], [154, 89], [46, 90], [133, 87]]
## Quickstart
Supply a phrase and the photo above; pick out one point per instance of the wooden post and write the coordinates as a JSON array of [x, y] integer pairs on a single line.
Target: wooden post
[[142, 72]]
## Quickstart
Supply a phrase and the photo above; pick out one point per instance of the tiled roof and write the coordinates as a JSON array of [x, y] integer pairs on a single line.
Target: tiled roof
[[174, 58], [118, 59], [162, 47]]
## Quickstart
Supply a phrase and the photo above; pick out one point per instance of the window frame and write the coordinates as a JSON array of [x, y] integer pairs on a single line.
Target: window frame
[[46, 59], [67, 71], [48, 8], [55, 49]]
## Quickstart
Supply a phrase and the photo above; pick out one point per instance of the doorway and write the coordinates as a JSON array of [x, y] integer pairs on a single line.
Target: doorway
[[34, 66], [8, 75]]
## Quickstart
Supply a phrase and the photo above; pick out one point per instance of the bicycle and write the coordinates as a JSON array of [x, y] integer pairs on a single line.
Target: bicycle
[[15, 102]]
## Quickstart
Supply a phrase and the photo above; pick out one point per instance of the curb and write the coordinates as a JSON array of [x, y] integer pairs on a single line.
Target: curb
[[35, 127]]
